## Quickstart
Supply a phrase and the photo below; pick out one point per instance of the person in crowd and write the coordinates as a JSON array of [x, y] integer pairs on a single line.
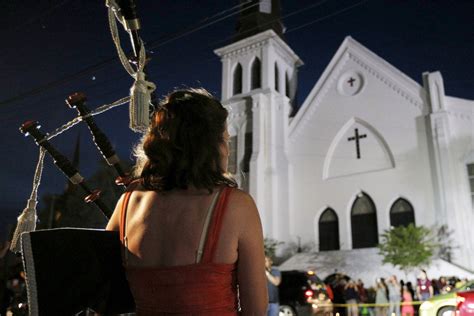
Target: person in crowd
[[443, 284], [381, 300], [4, 294], [322, 305], [338, 291], [436, 286], [273, 281], [190, 237], [329, 291], [352, 298], [394, 295], [407, 305], [424, 290], [409, 286], [363, 297]]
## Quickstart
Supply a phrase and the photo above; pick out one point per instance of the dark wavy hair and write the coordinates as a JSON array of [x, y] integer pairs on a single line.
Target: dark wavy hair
[[181, 147]]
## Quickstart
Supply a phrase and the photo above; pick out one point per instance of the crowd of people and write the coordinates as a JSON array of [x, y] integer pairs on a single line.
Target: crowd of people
[[387, 297], [13, 296]]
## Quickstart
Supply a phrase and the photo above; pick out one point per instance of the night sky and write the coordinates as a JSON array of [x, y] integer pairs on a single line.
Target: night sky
[[52, 48]]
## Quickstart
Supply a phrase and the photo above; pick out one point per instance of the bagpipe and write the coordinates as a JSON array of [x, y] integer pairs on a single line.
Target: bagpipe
[[72, 269]]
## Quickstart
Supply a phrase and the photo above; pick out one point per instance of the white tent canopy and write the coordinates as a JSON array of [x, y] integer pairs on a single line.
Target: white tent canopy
[[365, 264]]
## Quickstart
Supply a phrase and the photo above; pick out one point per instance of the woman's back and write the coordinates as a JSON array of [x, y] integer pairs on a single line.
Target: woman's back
[[164, 229], [162, 235]]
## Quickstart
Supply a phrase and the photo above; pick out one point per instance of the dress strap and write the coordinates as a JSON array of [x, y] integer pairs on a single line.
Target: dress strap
[[216, 225], [123, 215], [206, 227], [123, 211]]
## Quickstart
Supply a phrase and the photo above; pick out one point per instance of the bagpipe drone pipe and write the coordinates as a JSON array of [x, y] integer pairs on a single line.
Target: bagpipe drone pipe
[[71, 269]]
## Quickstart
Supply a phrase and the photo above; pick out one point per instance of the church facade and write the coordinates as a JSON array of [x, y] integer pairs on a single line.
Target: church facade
[[368, 149]]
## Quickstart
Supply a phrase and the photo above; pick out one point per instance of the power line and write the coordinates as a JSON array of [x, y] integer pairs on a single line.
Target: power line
[[107, 61], [98, 66], [327, 16]]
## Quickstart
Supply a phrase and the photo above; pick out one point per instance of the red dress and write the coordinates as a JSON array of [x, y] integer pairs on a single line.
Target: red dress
[[204, 288]]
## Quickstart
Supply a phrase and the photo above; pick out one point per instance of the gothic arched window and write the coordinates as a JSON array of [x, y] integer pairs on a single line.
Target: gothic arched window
[[328, 230], [232, 165], [256, 71], [287, 85], [237, 80], [470, 175], [248, 152], [277, 78], [364, 222], [401, 213]]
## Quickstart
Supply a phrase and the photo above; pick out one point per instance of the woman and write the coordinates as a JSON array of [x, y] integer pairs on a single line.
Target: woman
[[190, 237], [381, 300], [407, 306], [352, 298], [424, 289], [394, 295]]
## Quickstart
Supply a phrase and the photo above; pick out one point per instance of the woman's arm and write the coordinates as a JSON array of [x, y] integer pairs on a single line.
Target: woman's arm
[[275, 280], [251, 261]]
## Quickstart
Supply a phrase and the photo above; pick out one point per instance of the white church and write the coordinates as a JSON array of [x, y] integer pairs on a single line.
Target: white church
[[368, 149]]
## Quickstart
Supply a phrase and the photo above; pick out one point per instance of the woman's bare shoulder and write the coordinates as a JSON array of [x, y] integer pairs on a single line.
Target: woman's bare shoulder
[[239, 198], [242, 207]]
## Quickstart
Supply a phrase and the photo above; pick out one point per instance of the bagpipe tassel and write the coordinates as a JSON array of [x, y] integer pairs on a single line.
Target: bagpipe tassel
[[27, 219], [140, 100], [26, 223]]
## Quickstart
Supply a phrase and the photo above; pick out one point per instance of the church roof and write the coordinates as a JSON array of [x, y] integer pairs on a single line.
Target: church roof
[[462, 108], [371, 63]]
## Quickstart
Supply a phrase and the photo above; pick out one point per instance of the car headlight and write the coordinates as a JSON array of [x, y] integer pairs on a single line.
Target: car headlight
[[426, 305]]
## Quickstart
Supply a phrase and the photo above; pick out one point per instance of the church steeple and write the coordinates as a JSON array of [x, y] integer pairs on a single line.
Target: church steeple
[[259, 79], [258, 16]]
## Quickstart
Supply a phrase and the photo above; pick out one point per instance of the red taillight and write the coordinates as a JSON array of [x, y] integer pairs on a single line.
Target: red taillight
[[308, 293], [459, 301]]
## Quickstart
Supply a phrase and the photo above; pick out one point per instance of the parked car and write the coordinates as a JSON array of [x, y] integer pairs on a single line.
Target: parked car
[[444, 304], [295, 289], [465, 306]]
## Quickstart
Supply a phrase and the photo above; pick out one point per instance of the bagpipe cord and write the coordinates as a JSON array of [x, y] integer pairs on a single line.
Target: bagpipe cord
[[140, 92]]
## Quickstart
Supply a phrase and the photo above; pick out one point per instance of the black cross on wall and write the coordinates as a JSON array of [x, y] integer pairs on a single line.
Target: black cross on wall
[[351, 81], [356, 138]]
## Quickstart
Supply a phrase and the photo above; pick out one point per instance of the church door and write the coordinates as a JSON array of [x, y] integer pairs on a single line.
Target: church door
[[328, 230], [401, 213], [364, 222]]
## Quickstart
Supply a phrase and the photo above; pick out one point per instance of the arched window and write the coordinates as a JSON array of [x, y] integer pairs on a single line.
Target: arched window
[[328, 230], [232, 165], [470, 175], [287, 85], [401, 213], [256, 71], [237, 80], [248, 152], [277, 78], [364, 222]]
